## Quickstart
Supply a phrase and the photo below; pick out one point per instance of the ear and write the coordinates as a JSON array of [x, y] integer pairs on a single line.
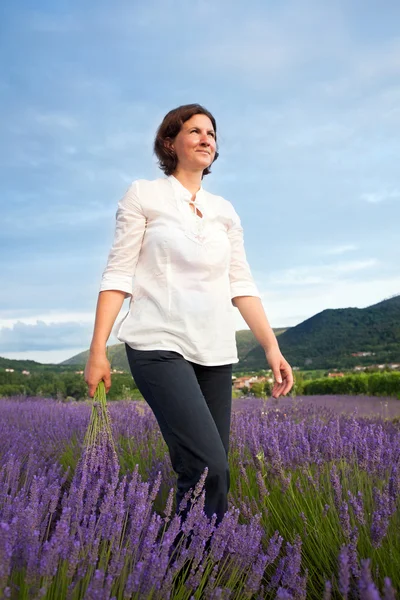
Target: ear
[[169, 145]]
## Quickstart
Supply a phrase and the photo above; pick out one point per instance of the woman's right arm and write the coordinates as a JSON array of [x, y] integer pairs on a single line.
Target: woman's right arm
[[116, 283], [98, 367]]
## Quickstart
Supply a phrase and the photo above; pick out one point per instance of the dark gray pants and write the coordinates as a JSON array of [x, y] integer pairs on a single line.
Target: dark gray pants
[[192, 404]]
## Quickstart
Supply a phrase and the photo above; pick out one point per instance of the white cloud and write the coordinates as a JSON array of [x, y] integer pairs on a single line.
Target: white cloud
[[50, 318], [41, 336], [341, 249], [320, 274], [381, 196]]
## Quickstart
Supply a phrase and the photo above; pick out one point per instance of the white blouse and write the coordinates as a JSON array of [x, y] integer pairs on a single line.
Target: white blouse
[[186, 270]]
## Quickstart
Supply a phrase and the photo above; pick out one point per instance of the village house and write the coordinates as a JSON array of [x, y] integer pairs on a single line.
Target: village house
[[246, 381], [335, 374], [242, 382]]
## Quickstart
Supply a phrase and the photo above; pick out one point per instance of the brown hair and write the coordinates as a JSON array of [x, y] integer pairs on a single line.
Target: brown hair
[[170, 127]]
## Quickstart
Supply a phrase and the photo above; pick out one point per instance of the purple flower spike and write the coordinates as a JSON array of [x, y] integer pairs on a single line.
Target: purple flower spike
[[345, 519], [274, 547], [353, 554], [169, 504], [344, 572], [337, 487], [261, 485], [357, 506], [292, 567], [371, 593], [223, 533], [95, 588], [365, 580], [8, 534], [257, 571], [283, 594], [388, 590], [381, 516], [327, 591]]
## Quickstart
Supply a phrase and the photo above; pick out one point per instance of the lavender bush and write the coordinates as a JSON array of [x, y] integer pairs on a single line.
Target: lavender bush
[[89, 512]]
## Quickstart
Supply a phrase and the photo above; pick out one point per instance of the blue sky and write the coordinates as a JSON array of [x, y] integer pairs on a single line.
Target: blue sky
[[306, 95]]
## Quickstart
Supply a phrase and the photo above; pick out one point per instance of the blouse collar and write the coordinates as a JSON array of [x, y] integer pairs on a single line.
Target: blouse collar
[[185, 193]]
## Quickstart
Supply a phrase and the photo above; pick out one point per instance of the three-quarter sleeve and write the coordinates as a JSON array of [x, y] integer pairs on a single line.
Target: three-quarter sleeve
[[240, 277], [123, 256]]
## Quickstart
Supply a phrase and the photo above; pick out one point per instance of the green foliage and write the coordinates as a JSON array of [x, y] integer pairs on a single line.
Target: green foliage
[[257, 389], [63, 385], [374, 384], [267, 388]]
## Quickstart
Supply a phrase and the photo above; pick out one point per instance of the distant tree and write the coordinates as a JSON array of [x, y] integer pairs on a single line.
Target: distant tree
[[267, 389], [258, 389], [74, 386], [8, 389]]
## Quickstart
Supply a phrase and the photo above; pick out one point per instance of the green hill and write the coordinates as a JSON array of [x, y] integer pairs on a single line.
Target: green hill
[[328, 339]]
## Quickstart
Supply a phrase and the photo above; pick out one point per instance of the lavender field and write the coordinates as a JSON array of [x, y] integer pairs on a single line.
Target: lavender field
[[314, 505]]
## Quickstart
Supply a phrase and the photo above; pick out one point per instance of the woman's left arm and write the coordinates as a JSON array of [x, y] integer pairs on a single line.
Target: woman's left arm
[[252, 311], [246, 297]]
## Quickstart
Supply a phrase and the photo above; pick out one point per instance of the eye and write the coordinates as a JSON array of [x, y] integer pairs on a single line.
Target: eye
[[212, 133]]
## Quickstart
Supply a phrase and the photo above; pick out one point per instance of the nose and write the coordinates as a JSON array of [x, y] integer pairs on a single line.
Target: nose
[[204, 139]]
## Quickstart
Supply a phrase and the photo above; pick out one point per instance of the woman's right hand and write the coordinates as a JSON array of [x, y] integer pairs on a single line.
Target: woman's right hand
[[97, 368]]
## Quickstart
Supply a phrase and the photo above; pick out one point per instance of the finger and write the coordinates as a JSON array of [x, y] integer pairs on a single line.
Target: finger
[[281, 384], [277, 374], [277, 383], [277, 390], [287, 378], [288, 384], [282, 388], [286, 390]]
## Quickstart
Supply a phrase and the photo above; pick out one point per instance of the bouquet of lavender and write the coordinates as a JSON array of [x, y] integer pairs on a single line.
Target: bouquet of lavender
[[99, 429], [97, 472]]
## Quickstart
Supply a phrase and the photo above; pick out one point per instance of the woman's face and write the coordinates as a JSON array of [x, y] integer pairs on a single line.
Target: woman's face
[[195, 144]]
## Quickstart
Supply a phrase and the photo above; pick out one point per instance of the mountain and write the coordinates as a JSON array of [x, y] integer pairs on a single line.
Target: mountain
[[328, 339], [246, 342]]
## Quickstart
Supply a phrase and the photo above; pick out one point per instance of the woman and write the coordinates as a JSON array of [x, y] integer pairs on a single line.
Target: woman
[[184, 246]]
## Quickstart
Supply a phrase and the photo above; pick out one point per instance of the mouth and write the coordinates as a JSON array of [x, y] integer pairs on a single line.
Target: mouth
[[204, 152]]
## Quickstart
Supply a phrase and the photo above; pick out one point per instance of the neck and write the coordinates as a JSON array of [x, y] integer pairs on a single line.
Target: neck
[[191, 180]]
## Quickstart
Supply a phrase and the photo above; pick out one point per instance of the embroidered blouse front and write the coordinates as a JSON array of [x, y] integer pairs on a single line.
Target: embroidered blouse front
[[187, 264]]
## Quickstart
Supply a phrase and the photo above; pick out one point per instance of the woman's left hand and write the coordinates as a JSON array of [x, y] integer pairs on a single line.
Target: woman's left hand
[[281, 370]]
